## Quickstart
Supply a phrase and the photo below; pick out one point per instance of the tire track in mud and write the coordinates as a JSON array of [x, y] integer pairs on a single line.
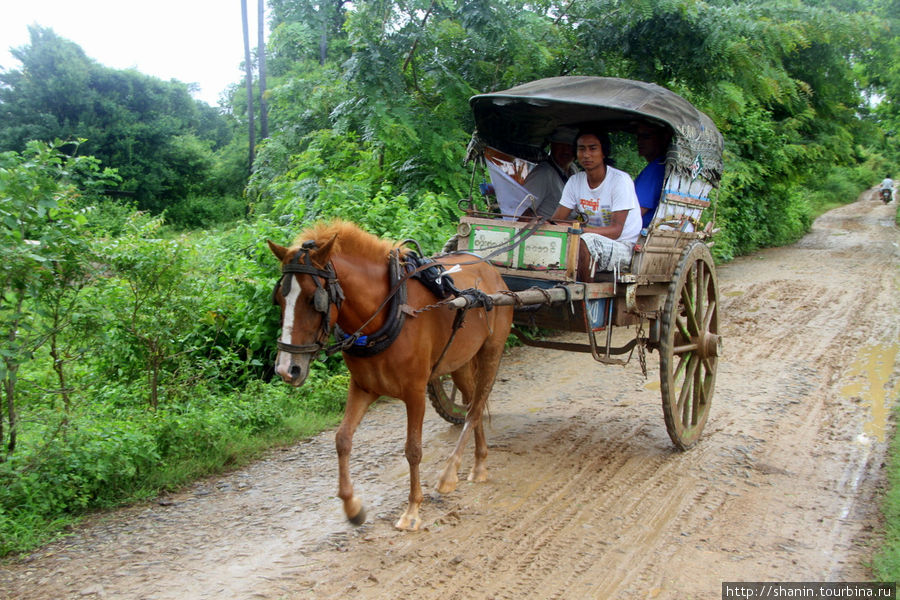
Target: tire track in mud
[[587, 497]]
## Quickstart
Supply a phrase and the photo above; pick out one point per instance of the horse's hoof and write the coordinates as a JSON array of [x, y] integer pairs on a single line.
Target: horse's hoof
[[359, 518], [478, 475], [407, 524], [445, 487]]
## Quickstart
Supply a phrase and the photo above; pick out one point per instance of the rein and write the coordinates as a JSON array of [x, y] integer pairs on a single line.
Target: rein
[[514, 242]]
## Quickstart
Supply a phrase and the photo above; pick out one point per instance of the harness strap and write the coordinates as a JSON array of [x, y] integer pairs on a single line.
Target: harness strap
[[358, 344], [399, 287], [474, 297]]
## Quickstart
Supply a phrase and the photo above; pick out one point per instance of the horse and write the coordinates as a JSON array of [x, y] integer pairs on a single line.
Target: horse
[[337, 278]]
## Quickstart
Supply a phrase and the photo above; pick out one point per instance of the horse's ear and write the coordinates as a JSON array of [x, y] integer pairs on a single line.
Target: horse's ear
[[323, 253], [279, 251]]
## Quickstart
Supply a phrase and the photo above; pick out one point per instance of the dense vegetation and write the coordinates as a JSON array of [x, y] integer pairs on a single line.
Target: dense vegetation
[[137, 329], [172, 153]]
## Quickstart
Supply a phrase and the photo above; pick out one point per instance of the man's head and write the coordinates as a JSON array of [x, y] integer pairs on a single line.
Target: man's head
[[652, 141], [592, 147], [561, 142], [562, 154]]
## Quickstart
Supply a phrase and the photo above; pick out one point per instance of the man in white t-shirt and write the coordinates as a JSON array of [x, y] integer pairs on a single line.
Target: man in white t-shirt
[[604, 197]]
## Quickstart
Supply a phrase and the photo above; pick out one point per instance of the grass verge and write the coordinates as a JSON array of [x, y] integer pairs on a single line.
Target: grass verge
[[105, 457], [886, 562]]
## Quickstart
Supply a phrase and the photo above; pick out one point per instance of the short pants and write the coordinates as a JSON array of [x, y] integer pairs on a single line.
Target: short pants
[[606, 254]]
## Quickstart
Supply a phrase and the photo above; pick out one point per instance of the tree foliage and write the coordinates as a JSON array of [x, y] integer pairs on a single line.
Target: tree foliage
[[44, 260], [164, 144], [781, 78]]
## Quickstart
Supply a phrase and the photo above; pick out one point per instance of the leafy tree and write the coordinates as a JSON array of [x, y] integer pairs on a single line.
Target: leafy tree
[[881, 71], [129, 121], [779, 77], [43, 260], [153, 295]]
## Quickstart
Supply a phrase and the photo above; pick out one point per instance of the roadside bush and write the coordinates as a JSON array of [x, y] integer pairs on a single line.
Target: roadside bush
[[199, 212], [886, 562], [110, 217], [96, 464], [106, 456]]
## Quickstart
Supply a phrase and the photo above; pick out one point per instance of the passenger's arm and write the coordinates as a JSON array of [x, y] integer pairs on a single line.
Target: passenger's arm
[[561, 212], [614, 229]]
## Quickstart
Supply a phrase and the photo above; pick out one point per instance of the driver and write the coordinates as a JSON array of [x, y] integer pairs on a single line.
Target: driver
[[604, 198], [547, 179]]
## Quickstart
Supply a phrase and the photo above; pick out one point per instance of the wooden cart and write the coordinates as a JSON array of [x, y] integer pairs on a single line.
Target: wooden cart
[[669, 296]]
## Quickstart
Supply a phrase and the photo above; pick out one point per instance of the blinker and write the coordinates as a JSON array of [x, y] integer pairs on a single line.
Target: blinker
[[320, 300]]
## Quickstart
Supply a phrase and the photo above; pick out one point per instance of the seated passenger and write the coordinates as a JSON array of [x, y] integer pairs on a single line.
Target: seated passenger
[[547, 179], [604, 197], [652, 144]]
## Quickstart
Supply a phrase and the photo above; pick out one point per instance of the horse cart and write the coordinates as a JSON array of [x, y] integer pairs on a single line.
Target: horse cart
[[338, 280], [669, 295]]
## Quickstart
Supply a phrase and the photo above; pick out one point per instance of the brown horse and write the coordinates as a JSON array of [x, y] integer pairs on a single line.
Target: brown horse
[[338, 274]]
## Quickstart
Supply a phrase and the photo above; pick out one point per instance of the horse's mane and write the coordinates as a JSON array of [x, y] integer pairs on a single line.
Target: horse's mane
[[350, 239]]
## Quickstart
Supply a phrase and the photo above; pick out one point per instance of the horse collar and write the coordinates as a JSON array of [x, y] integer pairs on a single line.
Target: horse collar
[[364, 345]]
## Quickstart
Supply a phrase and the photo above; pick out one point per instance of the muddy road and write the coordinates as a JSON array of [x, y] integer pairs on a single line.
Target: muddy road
[[587, 497]]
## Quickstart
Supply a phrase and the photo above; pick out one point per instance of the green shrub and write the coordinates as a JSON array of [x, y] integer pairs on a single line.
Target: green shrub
[[108, 454], [199, 212]]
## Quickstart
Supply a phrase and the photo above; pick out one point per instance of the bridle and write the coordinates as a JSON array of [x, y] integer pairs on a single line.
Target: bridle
[[328, 293]]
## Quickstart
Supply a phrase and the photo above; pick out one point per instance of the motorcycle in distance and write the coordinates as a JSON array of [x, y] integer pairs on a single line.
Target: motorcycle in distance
[[886, 195]]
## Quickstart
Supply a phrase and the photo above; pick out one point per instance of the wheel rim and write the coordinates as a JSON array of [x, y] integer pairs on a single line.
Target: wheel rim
[[690, 346], [447, 400]]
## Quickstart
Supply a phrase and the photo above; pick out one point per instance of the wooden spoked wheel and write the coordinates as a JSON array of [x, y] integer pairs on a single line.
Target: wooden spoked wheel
[[689, 345], [447, 400]]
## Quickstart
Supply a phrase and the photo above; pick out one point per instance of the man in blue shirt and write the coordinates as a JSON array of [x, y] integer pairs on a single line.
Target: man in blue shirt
[[652, 143]]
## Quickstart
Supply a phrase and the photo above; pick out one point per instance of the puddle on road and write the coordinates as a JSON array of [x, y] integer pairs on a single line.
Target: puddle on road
[[870, 376]]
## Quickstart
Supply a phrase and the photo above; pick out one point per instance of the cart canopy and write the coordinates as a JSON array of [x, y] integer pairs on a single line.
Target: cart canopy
[[521, 119]]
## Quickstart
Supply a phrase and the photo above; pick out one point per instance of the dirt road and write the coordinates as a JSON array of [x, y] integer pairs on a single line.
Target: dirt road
[[587, 497]]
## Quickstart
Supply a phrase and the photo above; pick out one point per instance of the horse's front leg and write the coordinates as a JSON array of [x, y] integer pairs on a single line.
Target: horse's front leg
[[415, 415], [358, 401]]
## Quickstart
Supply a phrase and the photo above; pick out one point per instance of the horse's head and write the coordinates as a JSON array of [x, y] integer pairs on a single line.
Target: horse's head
[[309, 296]]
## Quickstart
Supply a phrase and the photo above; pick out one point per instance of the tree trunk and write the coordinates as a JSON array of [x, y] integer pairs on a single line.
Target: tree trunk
[[248, 66], [261, 52], [9, 380], [9, 387], [153, 377], [153, 382], [59, 369]]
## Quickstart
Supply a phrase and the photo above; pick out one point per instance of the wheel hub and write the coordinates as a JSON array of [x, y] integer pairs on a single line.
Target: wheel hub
[[708, 344]]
